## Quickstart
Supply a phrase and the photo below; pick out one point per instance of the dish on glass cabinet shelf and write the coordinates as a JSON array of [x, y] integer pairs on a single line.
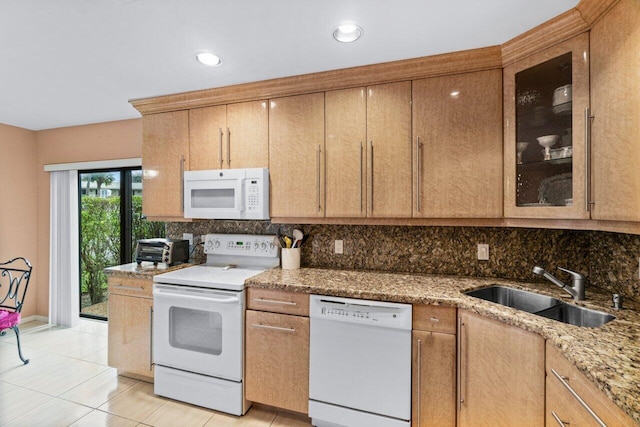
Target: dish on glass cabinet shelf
[[559, 153], [556, 189]]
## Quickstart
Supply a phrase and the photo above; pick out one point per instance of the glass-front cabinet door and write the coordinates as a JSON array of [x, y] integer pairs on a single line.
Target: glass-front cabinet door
[[545, 104]]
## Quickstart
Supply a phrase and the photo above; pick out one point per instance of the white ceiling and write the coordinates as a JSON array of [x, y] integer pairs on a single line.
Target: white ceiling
[[71, 62]]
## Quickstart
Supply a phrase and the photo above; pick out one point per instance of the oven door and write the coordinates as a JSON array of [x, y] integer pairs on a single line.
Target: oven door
[[199, 330]]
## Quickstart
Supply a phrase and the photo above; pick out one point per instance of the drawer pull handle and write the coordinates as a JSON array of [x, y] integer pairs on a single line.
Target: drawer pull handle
[[131, 288], [275, 328], [578, 398], [558, 420], [273, 301], [434, 319]]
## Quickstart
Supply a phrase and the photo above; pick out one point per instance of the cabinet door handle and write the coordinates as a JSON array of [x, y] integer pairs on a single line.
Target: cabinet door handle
[[228, 147], [220, 147], [577, 397], [371, 172], [318, 178], [150, 338], [419, 167], [361, 172], [273, 301], [274, 328], [130, 288], [587, 157], [461, 350], [419, 379], [558, 420], [182, 180]]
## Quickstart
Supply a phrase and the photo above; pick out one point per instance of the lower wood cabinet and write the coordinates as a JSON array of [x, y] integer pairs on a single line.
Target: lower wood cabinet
[[500, 373], [277, 350], [130, 327], [434, 366], [572, 399]]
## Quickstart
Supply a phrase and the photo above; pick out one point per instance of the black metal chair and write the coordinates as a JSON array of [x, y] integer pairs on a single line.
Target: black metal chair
[[14, 280]]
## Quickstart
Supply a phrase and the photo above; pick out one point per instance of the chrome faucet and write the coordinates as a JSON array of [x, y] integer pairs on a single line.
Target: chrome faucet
[[576, 290]]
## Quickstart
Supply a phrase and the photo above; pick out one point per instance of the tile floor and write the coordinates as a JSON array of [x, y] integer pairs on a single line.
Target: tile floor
[[68, 383]]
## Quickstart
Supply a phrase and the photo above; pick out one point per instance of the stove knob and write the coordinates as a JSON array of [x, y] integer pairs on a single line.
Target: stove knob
[[216, 244], [271, 246], [263, 246], [255, 246], [209, 244]]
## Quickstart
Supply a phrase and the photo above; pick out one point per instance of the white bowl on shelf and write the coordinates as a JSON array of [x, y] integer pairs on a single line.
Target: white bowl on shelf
[[548, 141]]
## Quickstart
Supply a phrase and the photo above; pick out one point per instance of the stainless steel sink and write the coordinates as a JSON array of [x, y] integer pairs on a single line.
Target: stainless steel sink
[[515, 298], [542, 305], [575, 315]]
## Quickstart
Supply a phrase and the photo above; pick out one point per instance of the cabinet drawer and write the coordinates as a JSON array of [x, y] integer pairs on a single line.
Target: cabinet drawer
[[277, 301], [566, 406], [122, 285], [434, 318]]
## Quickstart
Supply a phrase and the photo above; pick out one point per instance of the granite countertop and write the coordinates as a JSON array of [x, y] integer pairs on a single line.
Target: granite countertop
[[608, 355], [144, 271]]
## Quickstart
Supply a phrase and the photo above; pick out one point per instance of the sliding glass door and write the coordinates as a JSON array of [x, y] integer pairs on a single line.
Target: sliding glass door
[[111, 223]]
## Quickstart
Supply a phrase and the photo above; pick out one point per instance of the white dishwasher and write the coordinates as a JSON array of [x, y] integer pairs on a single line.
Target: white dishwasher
[[359, 363]]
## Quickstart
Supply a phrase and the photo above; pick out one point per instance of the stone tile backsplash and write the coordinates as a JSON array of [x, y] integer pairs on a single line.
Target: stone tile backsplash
[[610, 260]]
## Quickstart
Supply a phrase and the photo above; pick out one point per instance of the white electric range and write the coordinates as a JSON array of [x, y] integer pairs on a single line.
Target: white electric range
[[198, 322]]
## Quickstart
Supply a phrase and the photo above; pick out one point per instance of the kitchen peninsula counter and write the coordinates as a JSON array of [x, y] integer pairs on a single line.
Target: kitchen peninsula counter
[[608, 355]]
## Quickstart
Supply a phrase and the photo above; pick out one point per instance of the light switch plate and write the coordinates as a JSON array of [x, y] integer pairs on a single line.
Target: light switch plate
[[483, 252], [339, 247]]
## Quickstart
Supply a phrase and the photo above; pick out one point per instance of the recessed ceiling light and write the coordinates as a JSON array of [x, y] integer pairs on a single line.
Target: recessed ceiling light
[[208, 58], [347, 32]]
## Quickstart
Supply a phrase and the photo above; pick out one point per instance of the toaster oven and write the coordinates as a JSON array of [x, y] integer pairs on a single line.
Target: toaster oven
[[168, 251]]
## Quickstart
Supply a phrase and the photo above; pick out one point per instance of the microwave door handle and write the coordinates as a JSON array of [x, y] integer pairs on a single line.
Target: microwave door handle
[[224, 300]]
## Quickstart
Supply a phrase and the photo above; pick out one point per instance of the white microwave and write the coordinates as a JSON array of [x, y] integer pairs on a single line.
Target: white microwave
[[227, 194]]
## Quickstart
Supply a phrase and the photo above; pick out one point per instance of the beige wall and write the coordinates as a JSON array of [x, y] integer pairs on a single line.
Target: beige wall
[[102, 141], [18, 202]]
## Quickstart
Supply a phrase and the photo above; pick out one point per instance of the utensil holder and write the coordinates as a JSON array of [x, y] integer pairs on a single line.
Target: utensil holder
[[290, 258]]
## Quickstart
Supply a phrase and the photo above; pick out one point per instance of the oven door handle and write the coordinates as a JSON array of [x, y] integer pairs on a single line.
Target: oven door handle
[[226, 300]]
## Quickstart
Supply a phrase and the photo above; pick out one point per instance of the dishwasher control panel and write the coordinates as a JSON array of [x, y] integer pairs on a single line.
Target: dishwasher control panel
[[378, 313]]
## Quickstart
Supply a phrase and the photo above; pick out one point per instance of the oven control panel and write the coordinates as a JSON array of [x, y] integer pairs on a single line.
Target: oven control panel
[[240, 244]]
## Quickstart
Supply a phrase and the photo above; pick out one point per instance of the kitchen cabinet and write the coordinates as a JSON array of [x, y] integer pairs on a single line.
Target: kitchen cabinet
[[296, 153], [165, 157], [572, 399], [130, 326], [457, 131], [501, 378], [546, 97], [389, 150], [615, 107], [229, 136], [433, 366], [346, 139], [277, 349], [368, 151]]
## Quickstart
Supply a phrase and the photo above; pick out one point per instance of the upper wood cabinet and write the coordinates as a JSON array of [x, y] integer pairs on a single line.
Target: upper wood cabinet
[[296, 152], [389, 150], [500, 373], [346, 139], [615, 106], [165, 156], [457, 131], [546, 97], [229, 136]]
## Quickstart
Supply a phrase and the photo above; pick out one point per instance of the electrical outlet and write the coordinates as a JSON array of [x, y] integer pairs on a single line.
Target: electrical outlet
[[189, 237], [483, 252], [339, 246]]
